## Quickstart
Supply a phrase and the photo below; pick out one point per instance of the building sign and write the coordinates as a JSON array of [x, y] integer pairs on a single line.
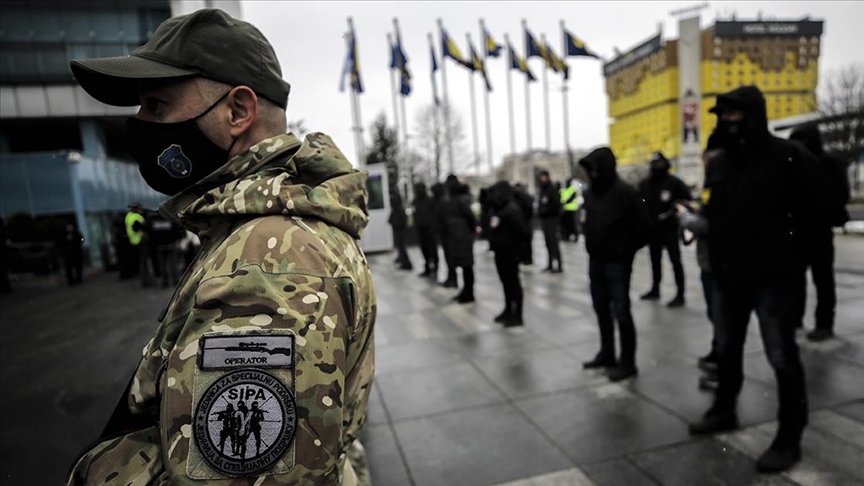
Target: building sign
[[807, 28], [641, 52]]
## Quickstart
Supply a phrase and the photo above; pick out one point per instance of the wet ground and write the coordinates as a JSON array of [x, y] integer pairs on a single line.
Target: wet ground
[[459, 400]]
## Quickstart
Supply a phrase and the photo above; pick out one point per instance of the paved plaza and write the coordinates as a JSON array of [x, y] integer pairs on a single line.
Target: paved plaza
[[460, 401]]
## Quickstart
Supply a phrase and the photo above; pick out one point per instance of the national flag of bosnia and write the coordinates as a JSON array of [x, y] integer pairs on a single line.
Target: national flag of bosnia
[[520, 64], [532, 47], [575, 47], [480, 66], [449, 49], [493, 49]]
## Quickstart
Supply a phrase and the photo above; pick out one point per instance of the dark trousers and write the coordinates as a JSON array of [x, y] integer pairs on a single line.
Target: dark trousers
[[610, 293], [507, 264], [168, 263], [74, 266], [448, 258], [429, 248], [550, 234], [819, 256], [568, 226], [734, 303], [467, 280], [399, 240], [669, 240], [709, 287]]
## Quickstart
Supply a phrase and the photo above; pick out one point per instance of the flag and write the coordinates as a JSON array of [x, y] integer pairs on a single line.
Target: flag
[[402, 65], [352, 66], [493, 49], [532, 47], [575, 47], [479, 65], [434, 69], [556, 63], [520, 64], [449, 49]]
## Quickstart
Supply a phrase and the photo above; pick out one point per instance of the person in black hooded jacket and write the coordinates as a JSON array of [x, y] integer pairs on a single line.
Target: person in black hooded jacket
[[549, 211], [661, 190], [508, 232], [616, 224], [461, 226], [765, 194], [424, 220], [399, 221], [819, 250]]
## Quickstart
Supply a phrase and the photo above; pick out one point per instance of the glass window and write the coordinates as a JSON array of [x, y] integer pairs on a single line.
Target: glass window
[[375, 187]]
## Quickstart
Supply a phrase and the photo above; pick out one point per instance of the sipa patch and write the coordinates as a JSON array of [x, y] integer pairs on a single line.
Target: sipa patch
[[175, 162], [244, 423]]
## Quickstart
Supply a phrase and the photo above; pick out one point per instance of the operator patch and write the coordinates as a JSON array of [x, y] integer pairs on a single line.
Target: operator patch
[[226, 351], [245, 422]]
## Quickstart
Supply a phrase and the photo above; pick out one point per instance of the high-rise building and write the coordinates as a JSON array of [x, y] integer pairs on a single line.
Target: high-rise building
[[62, 153], [660, 91]]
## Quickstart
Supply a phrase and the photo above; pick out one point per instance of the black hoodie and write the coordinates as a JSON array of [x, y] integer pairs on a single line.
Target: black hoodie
[[616, 221], [508, 230], [833, 168], [660, 190], [765, 195]]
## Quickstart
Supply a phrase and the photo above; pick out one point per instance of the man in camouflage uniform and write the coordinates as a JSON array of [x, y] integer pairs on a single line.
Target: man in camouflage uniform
[[278, 307]]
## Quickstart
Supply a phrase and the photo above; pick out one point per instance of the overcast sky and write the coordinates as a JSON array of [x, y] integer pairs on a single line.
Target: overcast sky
[[308, 39]]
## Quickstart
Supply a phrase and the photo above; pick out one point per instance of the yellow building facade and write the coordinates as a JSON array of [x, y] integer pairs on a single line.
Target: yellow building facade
[[781, 58]]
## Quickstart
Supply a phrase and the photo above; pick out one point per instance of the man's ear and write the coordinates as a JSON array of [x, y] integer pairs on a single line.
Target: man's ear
[[243, 105]]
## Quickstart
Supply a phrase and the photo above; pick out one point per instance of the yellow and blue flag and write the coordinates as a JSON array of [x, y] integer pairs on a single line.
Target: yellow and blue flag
[[352, 65], [493, 49], [479, 65], [520, 64], [400, 60], [434, 69], [451, 50], [533, 48], [556, 63], [575, 46]]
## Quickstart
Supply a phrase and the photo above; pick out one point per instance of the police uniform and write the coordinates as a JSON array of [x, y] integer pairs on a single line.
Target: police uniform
[[277, 309]]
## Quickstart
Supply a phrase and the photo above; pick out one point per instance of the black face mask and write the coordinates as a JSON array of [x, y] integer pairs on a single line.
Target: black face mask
[[173, 156], [733, 135]]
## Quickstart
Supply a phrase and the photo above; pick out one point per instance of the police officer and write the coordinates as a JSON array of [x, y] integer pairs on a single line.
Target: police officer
[[660, 191], [280, 268], [137, 236], [819, 248], [764, 195], [570, 208]]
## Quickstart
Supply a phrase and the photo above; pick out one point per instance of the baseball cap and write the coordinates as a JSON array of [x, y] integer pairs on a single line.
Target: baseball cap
[[207, 43]]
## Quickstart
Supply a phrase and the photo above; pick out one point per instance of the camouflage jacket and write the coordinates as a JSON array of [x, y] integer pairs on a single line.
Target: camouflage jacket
[[277, 310]]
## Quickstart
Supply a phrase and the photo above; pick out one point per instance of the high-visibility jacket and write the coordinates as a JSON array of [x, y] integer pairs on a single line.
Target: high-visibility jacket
[[569, 198], [134, 235]]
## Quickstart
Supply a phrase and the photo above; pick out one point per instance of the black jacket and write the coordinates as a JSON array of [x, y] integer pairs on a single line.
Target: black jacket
[[508, 229], [548, 201], [526, 205], [660, 191], [424, 212], [834, 170], [459, 226], [616, 221], [763, 198]]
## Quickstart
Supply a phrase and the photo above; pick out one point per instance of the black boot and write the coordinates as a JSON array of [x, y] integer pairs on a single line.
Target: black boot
[[820, 334], [622, 372], [653, 294], [678, 301], [779, 457], [600, 361], [504, 316], [714, 422]]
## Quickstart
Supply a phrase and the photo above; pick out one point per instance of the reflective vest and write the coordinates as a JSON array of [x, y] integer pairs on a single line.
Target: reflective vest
[[569, 194], [133, 235]]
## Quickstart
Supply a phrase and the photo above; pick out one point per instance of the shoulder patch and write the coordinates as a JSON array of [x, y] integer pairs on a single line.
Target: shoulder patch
[[244, 422]]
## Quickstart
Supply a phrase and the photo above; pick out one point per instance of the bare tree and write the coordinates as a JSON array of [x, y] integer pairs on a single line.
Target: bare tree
[[298, 128], [431, 128], [842, 107]]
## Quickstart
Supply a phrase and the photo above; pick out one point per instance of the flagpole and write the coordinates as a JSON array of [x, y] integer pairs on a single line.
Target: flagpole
[[436, 111], [393, 88], [405, 174], [473, 112], [483, 57], [446, 101], [527, 95], [510, 97], [566, 103], [352, 95], [546, 97]]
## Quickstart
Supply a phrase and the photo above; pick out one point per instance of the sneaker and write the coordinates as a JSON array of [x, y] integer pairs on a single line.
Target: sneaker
[[714, 422], [620, 373], [708, 362], [820, 334], [779, 457], [676, 302], [708, 382], [653, 294], [600, 362]]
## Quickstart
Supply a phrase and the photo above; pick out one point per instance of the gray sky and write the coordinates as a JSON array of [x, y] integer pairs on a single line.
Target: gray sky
[[308, 39]]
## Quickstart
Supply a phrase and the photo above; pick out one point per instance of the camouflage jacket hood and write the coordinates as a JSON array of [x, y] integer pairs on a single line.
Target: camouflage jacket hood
[[310, 178]]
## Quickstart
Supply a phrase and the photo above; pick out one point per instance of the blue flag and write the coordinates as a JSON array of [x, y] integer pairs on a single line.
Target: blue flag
[[352, 66], [493, 49], [520, 64], [533, 48], [575, 47]]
